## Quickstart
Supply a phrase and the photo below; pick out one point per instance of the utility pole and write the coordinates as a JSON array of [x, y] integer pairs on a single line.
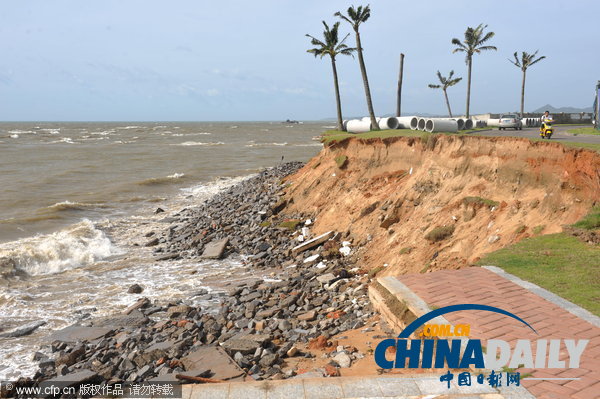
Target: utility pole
[[399, 94]]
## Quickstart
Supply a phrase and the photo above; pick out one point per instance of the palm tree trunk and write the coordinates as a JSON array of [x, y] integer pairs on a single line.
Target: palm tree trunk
[[363, 71], [523, 94], [470, 63], [338, 102], [447, 103]]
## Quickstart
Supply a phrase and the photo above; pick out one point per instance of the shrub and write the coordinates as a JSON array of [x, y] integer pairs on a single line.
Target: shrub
[[341, 161], [439, 233], [289, 224], [480, 201], [591, 221]]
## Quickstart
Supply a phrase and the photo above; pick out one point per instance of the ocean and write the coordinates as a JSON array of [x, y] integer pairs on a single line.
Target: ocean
[[77, 199]]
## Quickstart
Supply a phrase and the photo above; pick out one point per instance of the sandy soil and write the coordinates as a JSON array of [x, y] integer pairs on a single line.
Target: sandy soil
[[491, 192]]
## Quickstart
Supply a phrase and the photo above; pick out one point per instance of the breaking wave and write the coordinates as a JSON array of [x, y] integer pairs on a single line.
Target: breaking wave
[[161, 180], [71, 206], [194, 143], [80, 245]]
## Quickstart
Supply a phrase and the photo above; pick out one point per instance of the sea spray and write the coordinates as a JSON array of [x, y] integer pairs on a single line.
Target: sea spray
[[76, 246]]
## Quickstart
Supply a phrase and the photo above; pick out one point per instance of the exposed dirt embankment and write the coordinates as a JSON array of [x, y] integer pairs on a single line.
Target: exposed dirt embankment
[[442, 202]]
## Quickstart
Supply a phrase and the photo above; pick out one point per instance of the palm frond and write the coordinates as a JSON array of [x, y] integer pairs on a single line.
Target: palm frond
[[431, 86], [538, 60]]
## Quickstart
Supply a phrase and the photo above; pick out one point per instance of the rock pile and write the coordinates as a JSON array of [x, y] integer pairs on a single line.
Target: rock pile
[[314, 294]]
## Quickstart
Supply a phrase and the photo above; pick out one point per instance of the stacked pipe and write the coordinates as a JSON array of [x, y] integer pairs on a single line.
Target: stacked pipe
[[441, 125], [407, 122], [363, 125]]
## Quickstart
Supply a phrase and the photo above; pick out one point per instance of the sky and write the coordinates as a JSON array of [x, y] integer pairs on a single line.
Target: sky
[[149, 60]]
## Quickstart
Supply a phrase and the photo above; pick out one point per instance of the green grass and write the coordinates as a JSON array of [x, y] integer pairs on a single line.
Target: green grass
[[574, 144], [559, 263], [341, 161], [591, 221], [331, 136], [482, 201], [585, 130], [439, 233], [289, 224]]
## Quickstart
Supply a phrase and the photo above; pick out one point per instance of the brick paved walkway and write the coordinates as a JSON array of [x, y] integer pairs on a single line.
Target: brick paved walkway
[[481, 286]]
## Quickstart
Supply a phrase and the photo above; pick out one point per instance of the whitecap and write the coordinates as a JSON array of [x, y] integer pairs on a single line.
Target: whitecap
[[80, 245], [199, 143]]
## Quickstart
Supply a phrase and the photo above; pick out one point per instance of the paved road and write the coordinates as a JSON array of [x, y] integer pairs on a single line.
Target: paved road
[[533, 133]]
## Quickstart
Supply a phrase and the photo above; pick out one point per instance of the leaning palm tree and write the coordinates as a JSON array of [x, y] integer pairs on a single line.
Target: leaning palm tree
[[332, 46], [355, 17], [473, 44], [525, 62], [444, 84]]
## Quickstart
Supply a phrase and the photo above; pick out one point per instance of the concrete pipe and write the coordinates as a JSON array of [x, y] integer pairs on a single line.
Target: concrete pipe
[[421, 124], [388, 123], [407, 122], [493, 122], [441, 125], [468, 124], [358, 126], [345, 124], [524, 122]]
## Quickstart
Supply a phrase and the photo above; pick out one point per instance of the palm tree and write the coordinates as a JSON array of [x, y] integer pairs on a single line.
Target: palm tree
[[331, 46], [525, 62], [355, 17], [473, 44], [445, 83]]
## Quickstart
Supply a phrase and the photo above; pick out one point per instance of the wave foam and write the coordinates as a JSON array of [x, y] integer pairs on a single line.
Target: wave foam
[[194, 143], [161, 180], [72, 206], [80, 245]]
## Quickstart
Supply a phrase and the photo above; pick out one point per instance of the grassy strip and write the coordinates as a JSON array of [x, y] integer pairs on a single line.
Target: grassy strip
[[331, 136], [585, 130], [559, 263], [589, 146], [591, 221]]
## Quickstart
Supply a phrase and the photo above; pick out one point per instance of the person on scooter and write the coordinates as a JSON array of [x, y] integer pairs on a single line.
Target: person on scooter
[[545, 125], [546, 116]]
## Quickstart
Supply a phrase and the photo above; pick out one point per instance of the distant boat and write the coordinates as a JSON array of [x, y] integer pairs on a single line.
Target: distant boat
[[290, 121]]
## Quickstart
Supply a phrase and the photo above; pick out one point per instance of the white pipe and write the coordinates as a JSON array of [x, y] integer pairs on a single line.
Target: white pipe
[[345, 125], [468, 124], [441, 125], [461, 123], [421, 124], [493, 122], [388, 123], [358, 126], [407, 122]]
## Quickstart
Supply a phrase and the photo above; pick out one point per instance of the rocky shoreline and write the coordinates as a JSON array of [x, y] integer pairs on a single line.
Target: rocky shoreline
[[314, 292]]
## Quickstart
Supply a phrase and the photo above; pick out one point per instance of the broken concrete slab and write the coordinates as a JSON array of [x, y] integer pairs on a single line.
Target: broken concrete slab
[[326, 278], [79, 333], [132, 320], [308, 316], [23, 330], [215, 359], [72, 379], [244, 346], [215, 249], [139, 304], [313, 243]]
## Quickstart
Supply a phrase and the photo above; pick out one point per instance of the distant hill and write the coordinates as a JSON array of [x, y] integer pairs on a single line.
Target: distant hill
[[566, 110]]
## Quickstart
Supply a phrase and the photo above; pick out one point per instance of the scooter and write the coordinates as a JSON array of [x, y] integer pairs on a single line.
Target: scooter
[[546, 129]]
